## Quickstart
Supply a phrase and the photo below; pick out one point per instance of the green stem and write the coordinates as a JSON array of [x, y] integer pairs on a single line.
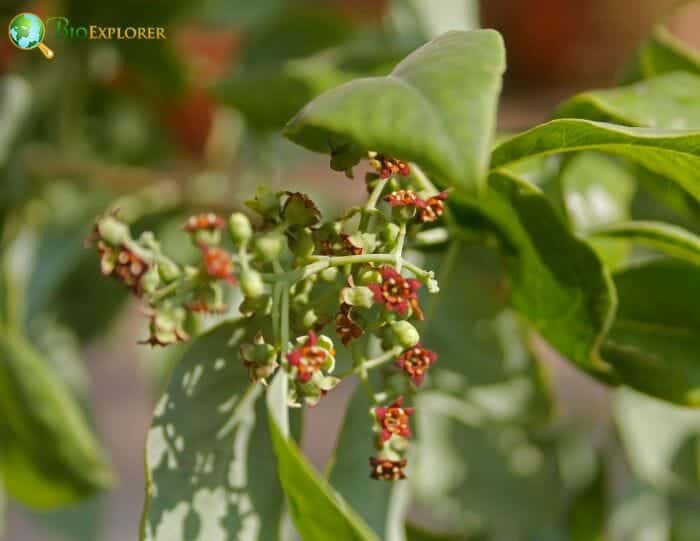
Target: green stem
[[284, 322], [370, 364], [371, 205], [397, 252]]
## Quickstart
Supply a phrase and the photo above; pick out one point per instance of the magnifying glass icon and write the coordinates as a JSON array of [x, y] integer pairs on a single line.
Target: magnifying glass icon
[[27, 32]]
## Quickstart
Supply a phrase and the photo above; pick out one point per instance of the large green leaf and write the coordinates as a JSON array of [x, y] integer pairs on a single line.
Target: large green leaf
[[670, 101], [349, 472], [674, 155], [48, 455], [557, 281], [598, 191], [437, 108], [654, 343], [661, 53], [211, 472], [485, 388], [660, 440], [319, 513], [670, 239], [497, 478]]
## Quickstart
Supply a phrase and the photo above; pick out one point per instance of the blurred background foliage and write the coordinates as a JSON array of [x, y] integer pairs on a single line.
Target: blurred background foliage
[[526, 447]]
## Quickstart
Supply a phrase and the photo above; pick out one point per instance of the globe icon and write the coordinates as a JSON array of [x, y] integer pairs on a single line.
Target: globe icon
[[26, 31]]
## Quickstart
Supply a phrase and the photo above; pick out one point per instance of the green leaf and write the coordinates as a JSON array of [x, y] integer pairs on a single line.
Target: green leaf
[[661, 53], [674, 155], [210, 467], [48, 455], [269, 96], [557, 282], [670, 101], [654, 342], [496, 478], [598, 191], [349, 473], [416, 533], [437, 108], [660, 440], [670, 239], [319, 513]]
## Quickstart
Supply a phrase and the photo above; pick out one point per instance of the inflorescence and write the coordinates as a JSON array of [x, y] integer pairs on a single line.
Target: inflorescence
[[300, 277]]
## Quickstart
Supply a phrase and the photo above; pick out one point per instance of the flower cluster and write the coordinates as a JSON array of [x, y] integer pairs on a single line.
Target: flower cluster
[[392, 424], [303, 282]]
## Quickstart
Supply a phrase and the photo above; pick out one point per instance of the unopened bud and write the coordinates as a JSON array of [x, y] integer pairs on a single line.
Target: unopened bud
[[357, 296], [269, 247], [405, 334], [310, 319], [113, 231], [329, 275], [300, 210], [240, 228], [369, 276], [390, 233], [169, 271], [150, 280], [252, 283]]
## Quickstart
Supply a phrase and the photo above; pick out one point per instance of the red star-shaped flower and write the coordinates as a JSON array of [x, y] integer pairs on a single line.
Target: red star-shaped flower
[[432, 208], [217, 263], [387, 470], [308, 358], [394, 420], [387, 166], [404, 198], [345, 325], [415, 361], [397, 293]]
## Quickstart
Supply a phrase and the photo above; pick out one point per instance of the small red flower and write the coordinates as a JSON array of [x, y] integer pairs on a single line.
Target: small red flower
[[345, 326], [394, 420], [207, 222], [386, 166], [122, 263], [217, 263], [433, 208], [308, 358], [415, 361], [397, 293], [405, 198], [387, 470]]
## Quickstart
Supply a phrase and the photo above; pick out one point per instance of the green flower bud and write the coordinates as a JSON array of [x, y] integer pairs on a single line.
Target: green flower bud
[[369, 276], [390, 233], [169, 271], [113, 231], [329, 275], [357, 296], [268, 247], [240, 228], [252, 283], [309, 319], [150, 280], [405, 334]]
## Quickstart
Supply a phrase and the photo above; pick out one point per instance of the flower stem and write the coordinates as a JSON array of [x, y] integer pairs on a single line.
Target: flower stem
[[397, 252], [370, 364], [371, 205]]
